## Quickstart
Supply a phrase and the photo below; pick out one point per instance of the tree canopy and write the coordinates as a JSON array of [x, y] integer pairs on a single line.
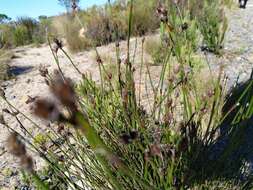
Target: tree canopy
[[4, 18]]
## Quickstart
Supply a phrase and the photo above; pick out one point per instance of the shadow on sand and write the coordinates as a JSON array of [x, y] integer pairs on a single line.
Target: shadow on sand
[[230, 157], [16, 70]]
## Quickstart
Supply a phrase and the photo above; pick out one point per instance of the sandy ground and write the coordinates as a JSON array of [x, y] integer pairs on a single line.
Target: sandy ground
[[28, 82]]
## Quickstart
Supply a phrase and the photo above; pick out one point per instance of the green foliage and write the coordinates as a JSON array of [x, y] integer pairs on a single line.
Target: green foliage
[[30, 24], [6, 36], [108, 23], [5, 57], [144, 17], [25, 31], [40, 139], [41, 31], [21, 36], [213, 25], [4, 18], [105, 25]]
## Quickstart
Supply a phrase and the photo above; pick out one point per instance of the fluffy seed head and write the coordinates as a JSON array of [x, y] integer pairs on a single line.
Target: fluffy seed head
[[46, 110], [64, 91], [15, 145], [27, 162]]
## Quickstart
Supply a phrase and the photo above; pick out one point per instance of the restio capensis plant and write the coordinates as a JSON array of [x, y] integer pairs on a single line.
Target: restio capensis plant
[[102, 135]]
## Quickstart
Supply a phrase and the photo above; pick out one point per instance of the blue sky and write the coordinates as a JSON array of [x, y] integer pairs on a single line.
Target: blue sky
[[35, 8]]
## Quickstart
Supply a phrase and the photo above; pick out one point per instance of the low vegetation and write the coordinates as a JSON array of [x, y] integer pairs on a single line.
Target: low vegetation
[[5, 57], [108, 135]]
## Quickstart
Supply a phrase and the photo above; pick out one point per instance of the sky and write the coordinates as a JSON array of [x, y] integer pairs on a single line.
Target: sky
[[35, 8]]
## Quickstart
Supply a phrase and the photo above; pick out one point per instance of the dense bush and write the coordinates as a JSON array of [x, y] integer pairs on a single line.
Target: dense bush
[[6, 36], [105, 24], [21, 36], [30, 24], [213, 25], [24, 31]]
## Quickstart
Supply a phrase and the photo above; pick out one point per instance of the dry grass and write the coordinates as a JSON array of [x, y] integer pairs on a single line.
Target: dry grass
[[68, 28]]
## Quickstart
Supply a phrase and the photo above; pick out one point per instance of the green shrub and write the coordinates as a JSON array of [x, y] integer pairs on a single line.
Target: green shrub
[[41, 31], [6, 36], [5, 57], [213, 25], [105, 24], [144, 17], [30, 24], [21, 36]]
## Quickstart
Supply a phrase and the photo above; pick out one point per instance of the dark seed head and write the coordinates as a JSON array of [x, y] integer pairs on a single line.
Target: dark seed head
[[27, 163], [184, 26], [127, 138], [43, 71], [64, 91], [46, 110], [15, 145]]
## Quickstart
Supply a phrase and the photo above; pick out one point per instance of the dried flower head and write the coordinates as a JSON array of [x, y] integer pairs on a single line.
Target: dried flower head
[[184, 26], [57, 45], [127, 138], [43, 71], [155, 150], [27, 162], [74, 6], [162, 13], [64, 91], [15, 145], [99, 60], [31, 99], [46, 110]]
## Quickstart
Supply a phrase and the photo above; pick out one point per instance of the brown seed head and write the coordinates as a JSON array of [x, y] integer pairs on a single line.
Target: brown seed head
[[57, 45], [43, 71], [155, 150], [162, 13], [26, 162], [64, 91], [99, 60], [15, 145], [30, 99], [46, 110]]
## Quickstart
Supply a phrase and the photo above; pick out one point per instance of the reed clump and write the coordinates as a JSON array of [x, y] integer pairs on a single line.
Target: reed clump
[[105, 136]]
